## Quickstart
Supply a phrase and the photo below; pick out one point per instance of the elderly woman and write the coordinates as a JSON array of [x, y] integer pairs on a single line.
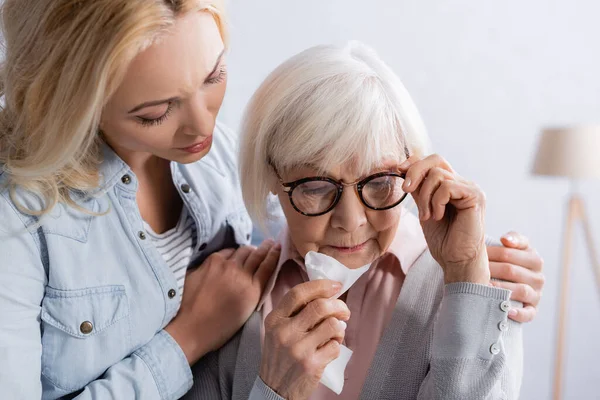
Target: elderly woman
[[333, 133]]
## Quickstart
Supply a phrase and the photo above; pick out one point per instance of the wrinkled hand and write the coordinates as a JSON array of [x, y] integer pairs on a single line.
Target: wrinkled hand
[[302, 335], [451, 211], [220, 295], [520, 266]]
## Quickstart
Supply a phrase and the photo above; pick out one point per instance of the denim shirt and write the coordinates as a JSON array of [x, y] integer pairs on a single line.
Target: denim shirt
[[84, 299]]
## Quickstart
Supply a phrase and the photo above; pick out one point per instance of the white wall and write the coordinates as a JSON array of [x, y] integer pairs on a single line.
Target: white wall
[[486, 76]]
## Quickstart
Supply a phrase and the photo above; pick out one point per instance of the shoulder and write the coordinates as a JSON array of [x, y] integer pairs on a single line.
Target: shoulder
[[10, 214]]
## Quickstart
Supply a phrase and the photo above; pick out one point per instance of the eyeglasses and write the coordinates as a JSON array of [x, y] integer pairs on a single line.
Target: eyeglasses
[[318, 195]]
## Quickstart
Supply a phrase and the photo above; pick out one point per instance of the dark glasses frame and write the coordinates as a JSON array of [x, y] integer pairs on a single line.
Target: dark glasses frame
[[289, 187]]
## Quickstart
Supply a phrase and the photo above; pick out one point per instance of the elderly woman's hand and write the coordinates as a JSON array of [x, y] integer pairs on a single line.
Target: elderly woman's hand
[[302, 336], [451, 211], [519, 267]]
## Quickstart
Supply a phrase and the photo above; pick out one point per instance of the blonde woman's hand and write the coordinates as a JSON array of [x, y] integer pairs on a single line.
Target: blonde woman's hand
[[302, 335], [520, 269], [451, 211], [219, 297]]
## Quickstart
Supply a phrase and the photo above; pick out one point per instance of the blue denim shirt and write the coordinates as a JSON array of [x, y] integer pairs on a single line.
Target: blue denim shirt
[[84, 299]]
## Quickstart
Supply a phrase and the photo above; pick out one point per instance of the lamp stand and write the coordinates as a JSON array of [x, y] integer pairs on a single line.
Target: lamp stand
[[576, 213]]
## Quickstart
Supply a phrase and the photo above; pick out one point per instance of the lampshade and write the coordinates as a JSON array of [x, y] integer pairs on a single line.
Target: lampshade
[[570, 152]]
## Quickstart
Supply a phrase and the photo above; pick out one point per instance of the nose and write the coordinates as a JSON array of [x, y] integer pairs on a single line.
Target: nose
[[349, 214], [199, 120]]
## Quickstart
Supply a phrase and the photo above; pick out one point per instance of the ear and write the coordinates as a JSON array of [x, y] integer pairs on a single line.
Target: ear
[[274, 184]]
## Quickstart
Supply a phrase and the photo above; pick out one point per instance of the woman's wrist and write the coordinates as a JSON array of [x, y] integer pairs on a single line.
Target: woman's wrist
[[191, 345], [476, 272]]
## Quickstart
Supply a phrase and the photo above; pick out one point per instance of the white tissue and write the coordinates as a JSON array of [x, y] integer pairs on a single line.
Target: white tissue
[[321, 266]]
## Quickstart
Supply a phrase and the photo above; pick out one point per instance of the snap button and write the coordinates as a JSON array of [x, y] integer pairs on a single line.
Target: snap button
[[185, 188], [126, 179], [203, 246], [86, 327], [503, 326], [494, 349], [142, 235], [505, 306], [171, 293]]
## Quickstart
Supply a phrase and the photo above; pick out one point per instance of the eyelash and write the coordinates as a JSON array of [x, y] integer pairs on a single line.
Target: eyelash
[[159, 120], [219, 78]]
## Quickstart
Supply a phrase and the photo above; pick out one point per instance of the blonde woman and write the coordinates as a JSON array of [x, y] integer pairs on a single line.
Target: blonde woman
[[116, 182], [333, 133], [109, 192]]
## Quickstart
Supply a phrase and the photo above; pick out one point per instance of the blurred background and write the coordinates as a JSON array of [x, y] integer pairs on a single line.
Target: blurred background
[[487, 77]]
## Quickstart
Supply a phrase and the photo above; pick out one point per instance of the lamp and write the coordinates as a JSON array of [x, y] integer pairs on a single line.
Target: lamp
[[573, 153]]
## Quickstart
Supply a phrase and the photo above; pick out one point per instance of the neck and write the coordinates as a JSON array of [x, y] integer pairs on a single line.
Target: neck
[[143, 164]]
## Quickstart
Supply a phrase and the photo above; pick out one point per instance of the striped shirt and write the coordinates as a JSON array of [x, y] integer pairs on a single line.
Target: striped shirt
[[176, 246]]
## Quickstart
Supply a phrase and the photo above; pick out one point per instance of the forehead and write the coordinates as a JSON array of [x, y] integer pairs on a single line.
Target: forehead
[[350, 171], [177, 63]]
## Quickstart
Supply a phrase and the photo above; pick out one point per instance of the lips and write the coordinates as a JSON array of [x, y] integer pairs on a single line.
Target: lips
[[198, 147], [349, 249]]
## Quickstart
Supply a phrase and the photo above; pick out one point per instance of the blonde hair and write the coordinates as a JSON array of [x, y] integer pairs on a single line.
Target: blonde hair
[[324, 107], [63, 61]]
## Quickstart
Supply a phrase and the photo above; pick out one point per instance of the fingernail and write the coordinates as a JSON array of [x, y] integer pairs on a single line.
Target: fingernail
[[336, 286], [513, 313], [407, 183], [510, 238], [278, 246], [343, 325]]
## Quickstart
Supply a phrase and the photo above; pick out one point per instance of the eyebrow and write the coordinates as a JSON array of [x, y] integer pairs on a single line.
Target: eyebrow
[[169, 100]]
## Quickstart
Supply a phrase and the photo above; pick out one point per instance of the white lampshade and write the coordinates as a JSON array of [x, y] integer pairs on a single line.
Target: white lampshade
[[570, 152]]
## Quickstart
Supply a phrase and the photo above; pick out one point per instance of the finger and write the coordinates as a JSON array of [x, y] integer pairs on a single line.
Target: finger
[[302, 294], [529, 259], [267, 266], [408, 162], [520, 292], [517, 274], [258, 255], [515, 240], [327, 353], [329, 329], [418, 170], [319, 310], [461, 195], [432, 182], [225, 253], [241, 254], [525, 314]]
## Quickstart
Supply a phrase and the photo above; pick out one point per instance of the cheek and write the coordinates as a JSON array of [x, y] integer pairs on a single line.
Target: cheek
[[134, 136], [215, 98], [385, 223], [305, 232]]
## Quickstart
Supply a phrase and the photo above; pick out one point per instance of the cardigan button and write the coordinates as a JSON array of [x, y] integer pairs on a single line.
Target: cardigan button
[[494, 349]]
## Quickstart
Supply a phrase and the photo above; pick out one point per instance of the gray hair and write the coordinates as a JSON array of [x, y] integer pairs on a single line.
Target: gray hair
[[324, 107]]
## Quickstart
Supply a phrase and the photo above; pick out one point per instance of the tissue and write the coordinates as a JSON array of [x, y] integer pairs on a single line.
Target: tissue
[[321, 266]]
